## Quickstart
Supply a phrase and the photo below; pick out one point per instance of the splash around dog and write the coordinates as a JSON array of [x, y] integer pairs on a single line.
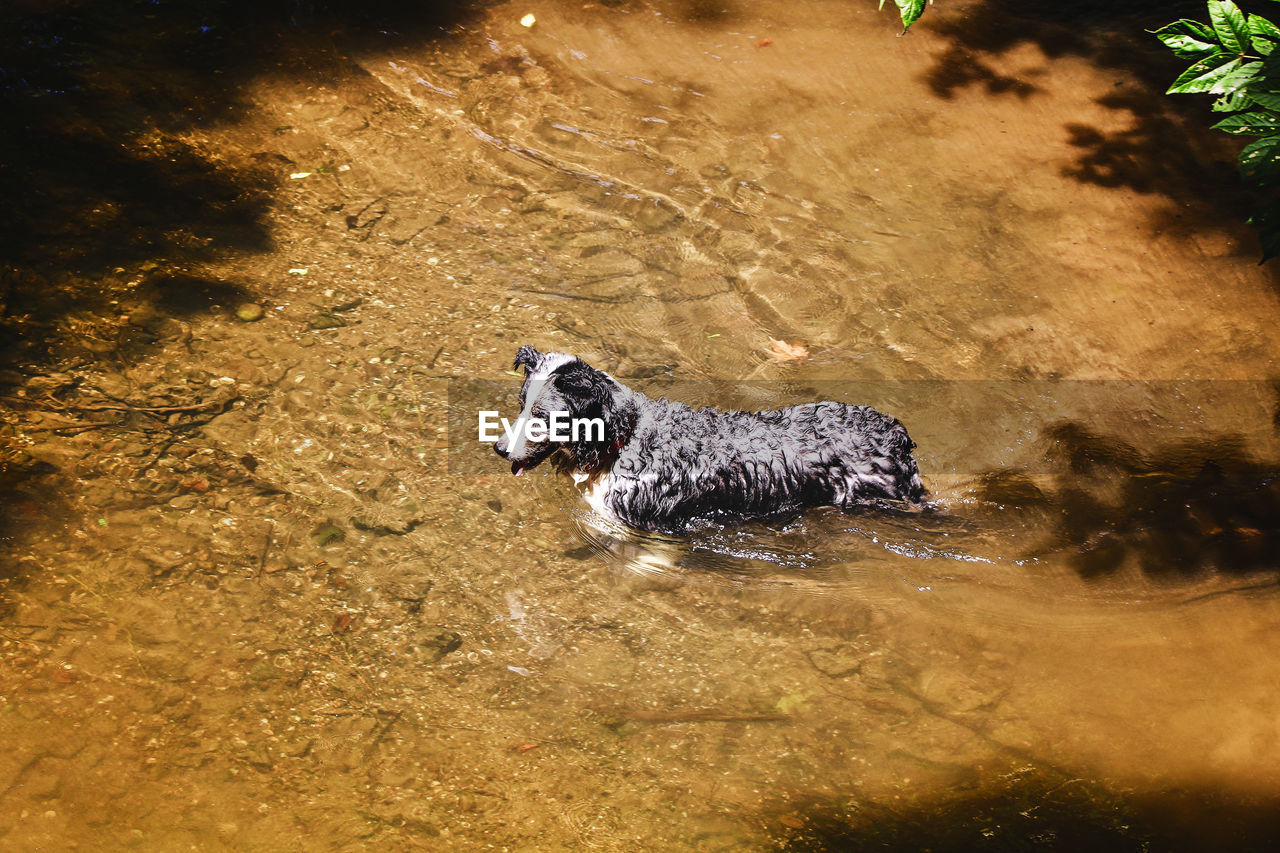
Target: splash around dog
[[662, 466]]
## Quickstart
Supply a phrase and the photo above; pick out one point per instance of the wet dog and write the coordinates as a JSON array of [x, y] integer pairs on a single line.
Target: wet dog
[[662, 466]]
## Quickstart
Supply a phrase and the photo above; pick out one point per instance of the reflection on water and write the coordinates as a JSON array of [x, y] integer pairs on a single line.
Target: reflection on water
[[320, 610]]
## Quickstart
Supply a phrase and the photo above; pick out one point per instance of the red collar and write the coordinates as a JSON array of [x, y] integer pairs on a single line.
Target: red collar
[[619, 441], [607, 459]]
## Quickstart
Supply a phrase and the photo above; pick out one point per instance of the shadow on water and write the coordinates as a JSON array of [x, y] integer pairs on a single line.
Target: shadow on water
[[103, 199], [1165, 145], [31, 496], [97, 185], [1180, 510], [1109, 35], [1031, 810]]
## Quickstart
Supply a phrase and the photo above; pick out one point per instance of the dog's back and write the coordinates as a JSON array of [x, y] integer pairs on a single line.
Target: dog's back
[[684, 464]]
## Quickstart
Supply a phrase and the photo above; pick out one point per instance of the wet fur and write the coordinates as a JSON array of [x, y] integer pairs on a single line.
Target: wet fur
[[664, 466]]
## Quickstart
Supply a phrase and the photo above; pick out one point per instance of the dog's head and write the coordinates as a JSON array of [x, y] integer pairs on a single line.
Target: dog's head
[[575, 405]]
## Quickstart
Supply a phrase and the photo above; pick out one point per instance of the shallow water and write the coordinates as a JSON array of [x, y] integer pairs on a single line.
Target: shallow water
[[264, 590]]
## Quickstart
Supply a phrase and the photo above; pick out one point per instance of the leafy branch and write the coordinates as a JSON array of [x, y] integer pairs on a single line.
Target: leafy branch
[[1236, 59]]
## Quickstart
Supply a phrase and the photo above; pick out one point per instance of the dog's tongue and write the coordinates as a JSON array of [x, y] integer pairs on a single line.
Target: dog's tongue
[[517, 468]]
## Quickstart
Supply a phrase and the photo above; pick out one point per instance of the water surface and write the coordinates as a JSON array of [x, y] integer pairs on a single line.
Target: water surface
[[265, 591]]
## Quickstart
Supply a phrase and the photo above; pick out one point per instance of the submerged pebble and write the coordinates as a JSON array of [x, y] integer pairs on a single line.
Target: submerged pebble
[[249, 312]]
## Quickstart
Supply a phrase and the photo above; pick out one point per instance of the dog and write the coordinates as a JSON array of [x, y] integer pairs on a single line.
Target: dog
[[661, 466]]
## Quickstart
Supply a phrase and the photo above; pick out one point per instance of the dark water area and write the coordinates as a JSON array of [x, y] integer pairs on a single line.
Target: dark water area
[[261, 587], [99, 174]]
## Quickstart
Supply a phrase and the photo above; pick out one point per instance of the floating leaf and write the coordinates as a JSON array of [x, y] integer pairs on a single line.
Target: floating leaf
[[783, 351]]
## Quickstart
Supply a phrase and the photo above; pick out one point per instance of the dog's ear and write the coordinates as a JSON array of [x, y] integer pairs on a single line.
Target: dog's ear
[[590, 393], [586, 389], [529, 357]]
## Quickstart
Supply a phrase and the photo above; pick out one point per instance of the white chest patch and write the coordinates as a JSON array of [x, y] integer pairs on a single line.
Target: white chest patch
[[593, 490]]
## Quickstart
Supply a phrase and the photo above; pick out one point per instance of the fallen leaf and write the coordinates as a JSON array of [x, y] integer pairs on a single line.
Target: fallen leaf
[[791, 821], [195, 484], [790, 702], [783, 351], [341, 623], [525, 747]]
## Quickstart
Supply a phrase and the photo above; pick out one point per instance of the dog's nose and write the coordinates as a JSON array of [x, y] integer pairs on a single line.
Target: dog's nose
[[500, 447]]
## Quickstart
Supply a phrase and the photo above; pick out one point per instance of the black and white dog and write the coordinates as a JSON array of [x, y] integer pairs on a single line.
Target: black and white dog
[[663, 466]]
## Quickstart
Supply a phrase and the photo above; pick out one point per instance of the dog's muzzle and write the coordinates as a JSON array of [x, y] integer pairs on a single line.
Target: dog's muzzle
[[502, 448]]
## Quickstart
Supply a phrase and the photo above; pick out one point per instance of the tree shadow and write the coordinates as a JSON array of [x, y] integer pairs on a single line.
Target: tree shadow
[[1178, 511], [96, 176], [1109, 35], [112, 210], [1165, 147], [32, 495], [1030, 810]]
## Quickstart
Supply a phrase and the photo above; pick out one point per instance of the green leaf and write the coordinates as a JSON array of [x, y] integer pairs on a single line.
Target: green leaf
[[1232, 102], [1263, 35], [1229, 24], [1270, 100], [1260, 160], [1265, 87], [1267, 223], [1202, 75], [1188, 38], [1236, 78], [1256, 123], [909, 10]]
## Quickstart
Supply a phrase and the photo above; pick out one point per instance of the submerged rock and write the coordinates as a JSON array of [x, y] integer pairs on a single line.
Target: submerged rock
[[325, 321]]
